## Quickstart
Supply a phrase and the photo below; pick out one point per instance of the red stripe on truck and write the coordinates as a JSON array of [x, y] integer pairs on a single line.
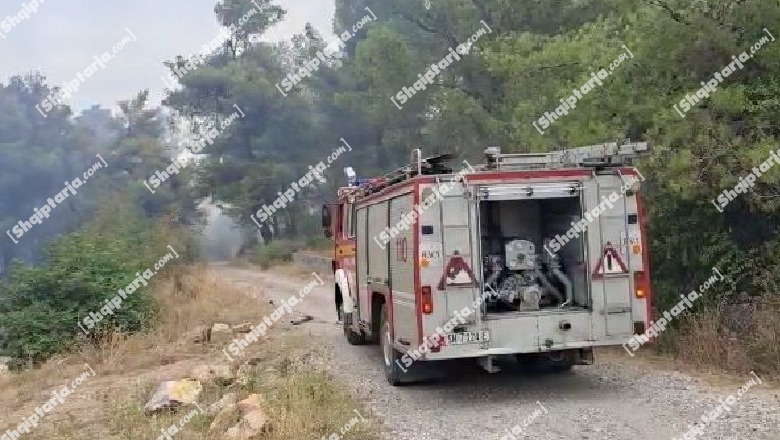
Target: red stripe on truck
[[417, 283], [643, 229]]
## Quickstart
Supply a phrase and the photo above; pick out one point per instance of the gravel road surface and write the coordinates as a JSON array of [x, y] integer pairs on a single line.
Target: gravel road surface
[[613, 399]]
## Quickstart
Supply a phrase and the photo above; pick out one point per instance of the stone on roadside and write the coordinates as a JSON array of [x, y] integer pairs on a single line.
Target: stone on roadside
[[170, 395], [221, 334], [245, 373], [217, 407], [256, 422], [227, 417], [300, 319], [251, 403], [245, 327], [252, 425], [5, 370], [200, 334]]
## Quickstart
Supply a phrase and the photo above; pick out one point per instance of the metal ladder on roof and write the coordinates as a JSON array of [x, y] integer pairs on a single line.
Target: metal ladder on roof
[[601, 155]]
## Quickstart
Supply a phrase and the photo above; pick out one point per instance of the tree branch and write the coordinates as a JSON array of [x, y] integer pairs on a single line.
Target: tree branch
[[427, 28], [672, 13]]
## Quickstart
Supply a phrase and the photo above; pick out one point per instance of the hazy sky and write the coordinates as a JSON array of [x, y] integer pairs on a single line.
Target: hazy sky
[[64, 35]]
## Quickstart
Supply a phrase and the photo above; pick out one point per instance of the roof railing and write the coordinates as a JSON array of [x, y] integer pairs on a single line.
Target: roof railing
[[604, 155], [601, 155]]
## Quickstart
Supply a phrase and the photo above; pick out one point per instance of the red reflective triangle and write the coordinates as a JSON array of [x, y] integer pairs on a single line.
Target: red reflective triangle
[[613, 261], [454, 266]]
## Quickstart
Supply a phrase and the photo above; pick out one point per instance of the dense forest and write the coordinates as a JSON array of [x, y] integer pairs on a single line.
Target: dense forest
[[500, 87]]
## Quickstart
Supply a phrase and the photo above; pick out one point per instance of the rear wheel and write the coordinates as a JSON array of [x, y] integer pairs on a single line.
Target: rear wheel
[[561, 368], [353, 338], [390, 356], [560, 362], [553, 362]]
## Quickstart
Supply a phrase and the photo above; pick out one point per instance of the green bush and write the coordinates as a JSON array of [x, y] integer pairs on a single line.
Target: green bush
[[319, 243], [40, 308], [275, 252]]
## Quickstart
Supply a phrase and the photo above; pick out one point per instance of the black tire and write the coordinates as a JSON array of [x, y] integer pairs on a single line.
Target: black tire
[[561, 368], [560, 362], [390, 356], [353, 338], [545, 363]]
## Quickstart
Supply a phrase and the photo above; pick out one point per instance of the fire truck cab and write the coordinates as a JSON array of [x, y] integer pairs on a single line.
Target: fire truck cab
[[539, 256]]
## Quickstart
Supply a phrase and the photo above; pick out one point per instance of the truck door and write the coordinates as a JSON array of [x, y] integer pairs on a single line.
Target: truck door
[[462, 268], [610, 273], [401, 276]]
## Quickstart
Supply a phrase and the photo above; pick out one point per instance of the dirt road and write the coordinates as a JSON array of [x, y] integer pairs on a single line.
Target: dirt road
[[613, 399]]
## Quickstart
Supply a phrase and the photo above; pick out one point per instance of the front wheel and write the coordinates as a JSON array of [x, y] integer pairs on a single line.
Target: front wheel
[[353, 338]]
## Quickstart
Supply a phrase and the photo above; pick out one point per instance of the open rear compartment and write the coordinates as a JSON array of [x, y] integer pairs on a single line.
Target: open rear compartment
[[521, 274]]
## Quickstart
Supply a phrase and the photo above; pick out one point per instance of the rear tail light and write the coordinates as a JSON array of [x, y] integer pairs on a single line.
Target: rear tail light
[[640, 285], [427, 300]]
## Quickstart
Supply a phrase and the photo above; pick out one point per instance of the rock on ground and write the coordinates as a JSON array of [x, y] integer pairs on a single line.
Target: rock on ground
[[615, 399], [226, 418], [172, 394], [221, 334], [216, 407]]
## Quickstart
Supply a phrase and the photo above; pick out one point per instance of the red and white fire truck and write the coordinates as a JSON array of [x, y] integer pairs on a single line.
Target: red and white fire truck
[[548, 251]]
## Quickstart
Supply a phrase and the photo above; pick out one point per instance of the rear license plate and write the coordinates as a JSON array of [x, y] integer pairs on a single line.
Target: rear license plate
[[468, 337]]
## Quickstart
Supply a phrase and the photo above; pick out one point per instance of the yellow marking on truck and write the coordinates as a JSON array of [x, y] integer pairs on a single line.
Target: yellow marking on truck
[[345, 250]]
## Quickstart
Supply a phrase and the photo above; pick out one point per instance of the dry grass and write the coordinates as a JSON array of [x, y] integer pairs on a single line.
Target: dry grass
[[325, 252], [293, 270], [742, 339], [303, 401]]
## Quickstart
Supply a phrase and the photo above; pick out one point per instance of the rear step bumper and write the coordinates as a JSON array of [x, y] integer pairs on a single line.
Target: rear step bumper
[[474, 350]]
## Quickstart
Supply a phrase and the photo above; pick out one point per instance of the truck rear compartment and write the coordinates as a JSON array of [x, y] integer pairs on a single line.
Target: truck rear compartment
[[523, 276]]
